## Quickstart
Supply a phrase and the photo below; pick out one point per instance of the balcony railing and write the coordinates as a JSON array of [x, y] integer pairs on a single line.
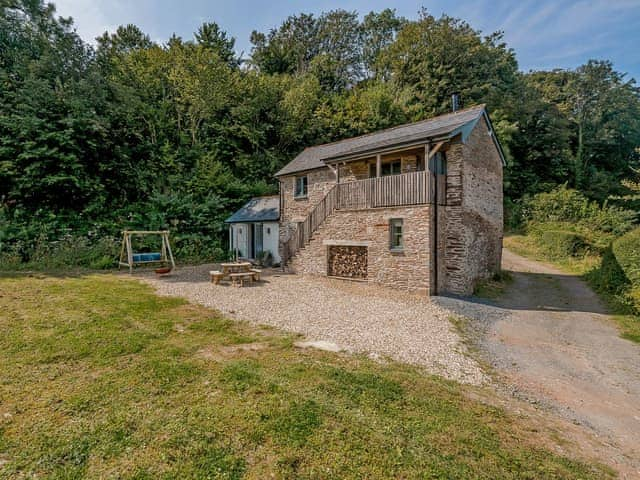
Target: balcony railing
[[391, 191]]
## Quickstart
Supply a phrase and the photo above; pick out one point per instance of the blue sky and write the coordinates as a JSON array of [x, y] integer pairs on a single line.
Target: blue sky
[[545, 34]]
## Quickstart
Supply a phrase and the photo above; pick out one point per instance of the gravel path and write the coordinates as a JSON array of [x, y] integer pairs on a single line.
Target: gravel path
[[553, 344], [357, 317]]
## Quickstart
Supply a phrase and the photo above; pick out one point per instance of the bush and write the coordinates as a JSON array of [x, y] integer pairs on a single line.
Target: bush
[[75, 251], [560, 244], [619, 271], [567, 205], [627, 253]]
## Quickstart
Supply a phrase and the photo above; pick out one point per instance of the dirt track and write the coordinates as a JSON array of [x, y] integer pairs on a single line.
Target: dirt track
[[555, 345]]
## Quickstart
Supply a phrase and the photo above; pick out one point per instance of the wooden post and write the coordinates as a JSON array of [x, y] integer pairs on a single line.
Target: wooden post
[[378, 165], [433, 231], [338, 186], [129, 252], [122, 250], [173, 263]]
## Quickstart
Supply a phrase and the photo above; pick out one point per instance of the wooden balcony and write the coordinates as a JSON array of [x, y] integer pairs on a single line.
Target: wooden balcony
[[406, 189]]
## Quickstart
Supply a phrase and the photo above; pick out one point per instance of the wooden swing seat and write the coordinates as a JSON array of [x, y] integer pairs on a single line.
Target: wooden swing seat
[[130, 259]]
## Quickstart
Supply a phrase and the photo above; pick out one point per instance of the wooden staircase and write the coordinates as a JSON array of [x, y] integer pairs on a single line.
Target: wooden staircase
[[301, 236], [407, 189]]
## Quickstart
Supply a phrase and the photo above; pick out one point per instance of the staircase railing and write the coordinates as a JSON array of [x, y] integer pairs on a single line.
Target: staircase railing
[[304, 229]]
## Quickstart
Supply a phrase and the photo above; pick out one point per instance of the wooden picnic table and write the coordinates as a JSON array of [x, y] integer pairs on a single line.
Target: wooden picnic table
[[237, 272], [235, 267]]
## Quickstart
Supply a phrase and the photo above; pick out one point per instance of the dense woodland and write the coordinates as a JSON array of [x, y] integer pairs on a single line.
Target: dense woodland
[[131, 133]]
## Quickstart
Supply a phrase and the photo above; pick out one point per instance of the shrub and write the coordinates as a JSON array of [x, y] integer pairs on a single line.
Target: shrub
[[626, 250], [75, 251], [68, 251], [619, 271], [561, 244], [567, 205]]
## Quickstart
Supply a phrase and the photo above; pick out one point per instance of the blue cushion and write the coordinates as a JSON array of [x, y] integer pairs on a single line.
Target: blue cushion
[[146, 257]]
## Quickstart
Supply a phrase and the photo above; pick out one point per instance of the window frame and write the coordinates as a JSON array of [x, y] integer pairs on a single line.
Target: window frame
[[390, 165], [396, 240], [305, 186]]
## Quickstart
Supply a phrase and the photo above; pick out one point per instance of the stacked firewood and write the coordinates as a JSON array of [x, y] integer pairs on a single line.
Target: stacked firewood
[[347, 261]]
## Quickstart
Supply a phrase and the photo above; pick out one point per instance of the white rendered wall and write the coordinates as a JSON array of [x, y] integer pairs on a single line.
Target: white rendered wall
[[240, 236], [270, 239]]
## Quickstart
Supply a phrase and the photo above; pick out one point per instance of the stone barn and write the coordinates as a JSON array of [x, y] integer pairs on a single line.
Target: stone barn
[[416, 207]]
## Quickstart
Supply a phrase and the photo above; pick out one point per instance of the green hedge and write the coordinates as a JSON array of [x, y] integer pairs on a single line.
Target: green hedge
[[561, 244], [567, 205], [626, 250], [619, 271]]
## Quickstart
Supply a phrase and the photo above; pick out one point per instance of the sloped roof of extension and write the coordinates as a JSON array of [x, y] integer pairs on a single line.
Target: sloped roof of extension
[[258, 209], [436, 128]]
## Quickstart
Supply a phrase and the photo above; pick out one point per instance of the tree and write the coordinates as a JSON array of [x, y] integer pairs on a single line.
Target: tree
[[378, 31], [436, 57], [602, 115], [210, 36], [287, 49]]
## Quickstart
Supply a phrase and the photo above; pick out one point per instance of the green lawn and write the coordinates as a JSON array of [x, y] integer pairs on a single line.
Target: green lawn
[[100, 378]]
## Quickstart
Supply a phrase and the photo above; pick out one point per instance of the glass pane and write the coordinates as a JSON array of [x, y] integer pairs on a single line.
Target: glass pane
[[300, 187], [396, 233]]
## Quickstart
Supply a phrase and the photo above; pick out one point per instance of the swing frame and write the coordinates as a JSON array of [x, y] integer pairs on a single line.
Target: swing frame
[[126, 252]]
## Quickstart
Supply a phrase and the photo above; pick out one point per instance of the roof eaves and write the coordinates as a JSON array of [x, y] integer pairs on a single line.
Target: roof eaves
[[386, 149], [496, 142]]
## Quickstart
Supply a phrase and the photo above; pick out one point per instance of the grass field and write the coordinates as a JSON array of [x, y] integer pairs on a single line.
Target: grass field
[[528, 246], [103, 379]]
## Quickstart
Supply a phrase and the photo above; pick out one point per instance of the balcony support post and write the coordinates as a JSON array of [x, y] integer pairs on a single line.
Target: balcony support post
[[378, 166]]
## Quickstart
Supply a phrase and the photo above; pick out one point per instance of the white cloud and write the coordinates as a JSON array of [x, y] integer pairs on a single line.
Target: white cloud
[[91, 18]]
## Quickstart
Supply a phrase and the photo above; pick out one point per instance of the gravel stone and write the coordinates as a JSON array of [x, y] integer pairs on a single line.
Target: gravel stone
[[357, 317]]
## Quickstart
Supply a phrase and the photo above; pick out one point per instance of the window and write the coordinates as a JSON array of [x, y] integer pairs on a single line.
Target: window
[[395, 231], [389, 168], [301, 187]]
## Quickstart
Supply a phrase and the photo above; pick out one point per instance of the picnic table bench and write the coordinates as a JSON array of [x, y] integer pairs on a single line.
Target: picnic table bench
[[237, 279], [237, 273]]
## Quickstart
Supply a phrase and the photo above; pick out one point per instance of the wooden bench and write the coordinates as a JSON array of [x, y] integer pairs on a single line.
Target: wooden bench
[[256, 274], [237, 279], [216, 276]]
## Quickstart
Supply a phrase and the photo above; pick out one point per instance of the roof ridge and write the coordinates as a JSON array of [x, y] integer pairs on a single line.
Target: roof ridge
[[482, 106]]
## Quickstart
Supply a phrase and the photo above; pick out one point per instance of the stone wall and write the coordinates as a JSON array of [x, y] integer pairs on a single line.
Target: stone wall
[[483, 202], [471, 222], [292, 209], [469, 226], [407, 270]]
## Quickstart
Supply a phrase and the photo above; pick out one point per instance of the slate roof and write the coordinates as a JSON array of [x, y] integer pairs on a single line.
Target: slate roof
[[258, 209], [442, 126]]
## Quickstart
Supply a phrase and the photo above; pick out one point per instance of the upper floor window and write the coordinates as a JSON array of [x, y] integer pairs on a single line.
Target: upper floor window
[[389, 168], [395, 231], [301, 186]]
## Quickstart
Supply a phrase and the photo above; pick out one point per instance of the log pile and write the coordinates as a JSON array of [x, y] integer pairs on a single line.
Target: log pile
[[347, 261]]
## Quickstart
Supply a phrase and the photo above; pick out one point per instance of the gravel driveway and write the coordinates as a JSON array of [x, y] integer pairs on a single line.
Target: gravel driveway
[[551, 341], [357, 317]]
